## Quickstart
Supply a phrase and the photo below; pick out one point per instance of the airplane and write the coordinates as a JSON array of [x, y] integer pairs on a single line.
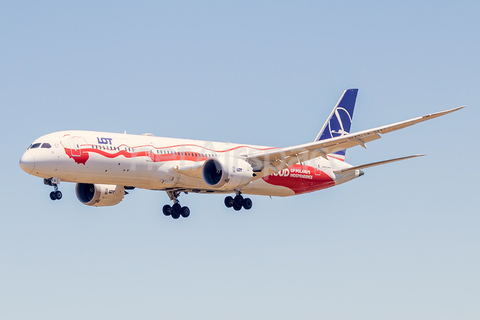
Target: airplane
[[105, 165]]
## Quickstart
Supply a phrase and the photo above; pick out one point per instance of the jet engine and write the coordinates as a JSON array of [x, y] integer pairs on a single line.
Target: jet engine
[[227, 174], [99, 195]]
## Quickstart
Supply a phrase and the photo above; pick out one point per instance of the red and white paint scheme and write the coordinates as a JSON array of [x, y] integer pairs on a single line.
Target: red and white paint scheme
[[104, 165]]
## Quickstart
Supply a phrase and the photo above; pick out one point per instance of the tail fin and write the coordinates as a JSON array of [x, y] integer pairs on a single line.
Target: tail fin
[[340, 120]]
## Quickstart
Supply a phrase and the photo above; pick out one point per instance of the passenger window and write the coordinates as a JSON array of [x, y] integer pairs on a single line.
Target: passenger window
[[35, 145], [46, 145]]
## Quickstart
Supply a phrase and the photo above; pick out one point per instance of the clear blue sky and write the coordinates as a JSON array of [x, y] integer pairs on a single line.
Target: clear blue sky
[[402, 242]]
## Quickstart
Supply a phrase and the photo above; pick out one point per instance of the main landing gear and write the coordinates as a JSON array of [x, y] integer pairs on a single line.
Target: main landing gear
[[176, 210], [54, 182], [238, 202]]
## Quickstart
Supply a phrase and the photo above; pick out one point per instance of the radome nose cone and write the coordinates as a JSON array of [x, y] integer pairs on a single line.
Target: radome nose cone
[[27, 162]]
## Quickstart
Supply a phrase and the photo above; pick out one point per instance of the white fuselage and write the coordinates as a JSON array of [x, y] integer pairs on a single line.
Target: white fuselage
[[150, 162]]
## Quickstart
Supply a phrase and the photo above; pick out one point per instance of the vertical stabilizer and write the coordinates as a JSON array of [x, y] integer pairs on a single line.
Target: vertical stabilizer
[[340, 120]]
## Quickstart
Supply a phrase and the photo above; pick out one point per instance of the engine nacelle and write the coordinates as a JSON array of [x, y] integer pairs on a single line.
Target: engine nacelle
[[228, 174], [99, 195]]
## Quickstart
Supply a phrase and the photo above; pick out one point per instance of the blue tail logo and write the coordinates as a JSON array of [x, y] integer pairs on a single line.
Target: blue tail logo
[[340, 120], [340, 123]]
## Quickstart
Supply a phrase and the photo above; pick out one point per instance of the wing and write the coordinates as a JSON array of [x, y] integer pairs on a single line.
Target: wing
[[270, 161]]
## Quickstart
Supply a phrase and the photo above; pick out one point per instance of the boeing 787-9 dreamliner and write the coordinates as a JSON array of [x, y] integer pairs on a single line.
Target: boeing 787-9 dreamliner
[[104, 165]]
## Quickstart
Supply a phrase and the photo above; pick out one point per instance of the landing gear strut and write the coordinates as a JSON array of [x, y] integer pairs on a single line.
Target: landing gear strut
[[238, 202], [176, 210], [54, 182]]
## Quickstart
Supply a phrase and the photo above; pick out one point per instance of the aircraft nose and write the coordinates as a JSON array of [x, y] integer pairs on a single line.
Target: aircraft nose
[[27, 162]]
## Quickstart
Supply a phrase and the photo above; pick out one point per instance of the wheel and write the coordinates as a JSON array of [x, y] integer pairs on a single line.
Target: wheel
[[175, 214], [238, 201], [237, 208], [228, 202], [52, 195], [167, 210], [247, 203], [185, 212], [58, 194], [177, 208]]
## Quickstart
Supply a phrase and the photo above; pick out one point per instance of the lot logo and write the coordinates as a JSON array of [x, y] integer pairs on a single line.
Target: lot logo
[[104, 140]]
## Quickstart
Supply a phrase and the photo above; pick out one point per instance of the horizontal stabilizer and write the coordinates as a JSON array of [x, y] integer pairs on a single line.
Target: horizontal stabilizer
[[373, 164]]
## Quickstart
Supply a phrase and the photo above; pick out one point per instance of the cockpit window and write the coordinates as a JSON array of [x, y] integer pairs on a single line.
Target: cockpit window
[[46, 145], [35, 145]]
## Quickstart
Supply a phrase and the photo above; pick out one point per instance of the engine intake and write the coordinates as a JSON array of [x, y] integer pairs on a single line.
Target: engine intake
[[99, 195], [228, 174]]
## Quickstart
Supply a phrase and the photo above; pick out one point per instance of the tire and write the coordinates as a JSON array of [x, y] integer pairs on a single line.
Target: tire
[[237, 208], [247, 203], [176, 208], [238, 201], [185, 212], [167, 210], [228, 202], [52, 195], [58, 194]]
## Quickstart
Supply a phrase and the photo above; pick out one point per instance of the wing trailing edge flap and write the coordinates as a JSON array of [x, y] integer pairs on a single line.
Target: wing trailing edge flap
[[373, 164], [271, 161]]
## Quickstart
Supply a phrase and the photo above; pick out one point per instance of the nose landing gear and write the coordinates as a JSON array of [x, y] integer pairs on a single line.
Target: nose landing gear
[[53, 182], [176, 210], [56, 195]]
